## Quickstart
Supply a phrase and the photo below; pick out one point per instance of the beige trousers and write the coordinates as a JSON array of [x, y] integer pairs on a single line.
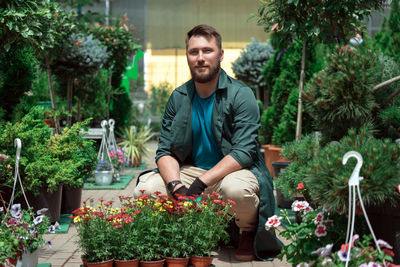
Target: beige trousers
[[240, 186]]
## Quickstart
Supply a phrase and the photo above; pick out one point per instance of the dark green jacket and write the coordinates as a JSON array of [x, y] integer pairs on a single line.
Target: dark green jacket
[[235, 123]]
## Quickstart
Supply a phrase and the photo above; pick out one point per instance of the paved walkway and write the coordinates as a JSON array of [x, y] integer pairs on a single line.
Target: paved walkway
[[65, 251]]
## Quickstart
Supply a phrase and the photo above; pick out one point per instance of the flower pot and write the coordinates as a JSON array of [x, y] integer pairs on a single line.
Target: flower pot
[[71, 199], [28, 259], [197, 261], [45, 199], [84, 261], [103, 177], [126, 263], [108, 263], [281, 200], [177, 262], [159, 263], [271, 154]]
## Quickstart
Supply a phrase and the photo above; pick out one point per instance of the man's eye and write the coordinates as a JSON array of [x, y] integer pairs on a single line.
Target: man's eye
[[207, 51], [193, 53]]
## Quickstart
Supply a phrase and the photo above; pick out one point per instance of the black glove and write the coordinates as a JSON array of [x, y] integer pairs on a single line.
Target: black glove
[[180, 191], [196, 188]]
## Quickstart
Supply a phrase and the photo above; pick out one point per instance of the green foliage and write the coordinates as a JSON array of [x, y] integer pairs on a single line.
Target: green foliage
[[17, 70], [159, 97], [300, 153], [121, 110], [81, 54], [248, 67], [77, 155], [134, 142], [342, 93], [324, 20], [327, 180], [388, 38]]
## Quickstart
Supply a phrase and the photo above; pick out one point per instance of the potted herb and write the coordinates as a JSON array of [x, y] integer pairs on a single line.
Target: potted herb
[[134, 144]]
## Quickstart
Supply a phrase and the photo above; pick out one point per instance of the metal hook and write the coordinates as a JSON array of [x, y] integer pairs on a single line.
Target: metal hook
[[355, 176], [18, 145], [111, 122]]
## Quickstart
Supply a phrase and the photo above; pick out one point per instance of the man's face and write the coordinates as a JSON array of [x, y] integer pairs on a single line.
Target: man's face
[[204, 58]]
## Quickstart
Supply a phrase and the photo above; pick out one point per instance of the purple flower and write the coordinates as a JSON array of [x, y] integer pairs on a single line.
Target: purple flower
[[373, 264], [49, 244], [57, 226], [16, 211], [38, 219], [32, 230], [42, 211], [52, 229], [384, 244]]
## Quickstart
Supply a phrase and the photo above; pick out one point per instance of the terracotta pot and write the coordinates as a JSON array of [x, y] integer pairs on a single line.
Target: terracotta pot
[[177, 262], [197, 261], [272, 153], [84, 261], [159, 263], [108, 263], [126, 263]]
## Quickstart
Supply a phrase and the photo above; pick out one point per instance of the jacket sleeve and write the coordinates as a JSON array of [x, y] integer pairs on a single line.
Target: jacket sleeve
[[165, 140], [246, 122]]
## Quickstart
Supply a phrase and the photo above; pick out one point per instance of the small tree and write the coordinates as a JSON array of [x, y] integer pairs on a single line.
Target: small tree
[[325, 20], [248, 67]]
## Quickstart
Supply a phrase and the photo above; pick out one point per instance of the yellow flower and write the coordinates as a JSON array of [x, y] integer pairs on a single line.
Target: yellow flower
[[77, 219]]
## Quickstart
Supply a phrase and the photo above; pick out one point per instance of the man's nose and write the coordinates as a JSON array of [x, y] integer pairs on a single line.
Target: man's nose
[[200, 56]]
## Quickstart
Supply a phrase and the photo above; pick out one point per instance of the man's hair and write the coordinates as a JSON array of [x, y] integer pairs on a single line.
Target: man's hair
[[205, 31]]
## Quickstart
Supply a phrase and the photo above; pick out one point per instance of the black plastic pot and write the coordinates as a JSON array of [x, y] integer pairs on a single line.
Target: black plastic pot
[[281, 200]]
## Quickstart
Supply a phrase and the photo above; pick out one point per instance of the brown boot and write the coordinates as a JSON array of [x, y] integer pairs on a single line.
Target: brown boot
[[245, 250]]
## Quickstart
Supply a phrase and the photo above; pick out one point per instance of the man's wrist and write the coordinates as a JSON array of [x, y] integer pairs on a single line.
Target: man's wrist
[[171, 185]]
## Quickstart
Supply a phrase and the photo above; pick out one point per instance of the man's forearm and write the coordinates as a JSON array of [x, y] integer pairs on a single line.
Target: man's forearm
[[224, 167], [169, 168]]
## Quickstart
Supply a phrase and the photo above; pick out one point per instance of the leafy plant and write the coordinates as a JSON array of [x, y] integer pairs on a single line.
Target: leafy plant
[[248, 67], [327, 180], [159, 97], [134, 143]]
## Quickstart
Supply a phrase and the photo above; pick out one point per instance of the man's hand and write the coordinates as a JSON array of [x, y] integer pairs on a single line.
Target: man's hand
[[180, 191], [196, 188]]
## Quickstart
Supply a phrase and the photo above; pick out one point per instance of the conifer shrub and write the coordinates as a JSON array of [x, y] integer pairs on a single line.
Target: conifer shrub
[[327, 178]]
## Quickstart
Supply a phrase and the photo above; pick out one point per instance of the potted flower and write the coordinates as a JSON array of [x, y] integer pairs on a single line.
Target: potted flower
[[125, 235], [94, 232], [103, 174], [208, 221], [151, 218], [134, 144], [28, 228]]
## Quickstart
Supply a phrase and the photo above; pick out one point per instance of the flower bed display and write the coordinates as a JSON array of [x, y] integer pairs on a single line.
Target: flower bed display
[[152, 227]]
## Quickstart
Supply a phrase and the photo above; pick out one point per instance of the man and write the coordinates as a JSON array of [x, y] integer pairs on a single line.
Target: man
[[208, 143]]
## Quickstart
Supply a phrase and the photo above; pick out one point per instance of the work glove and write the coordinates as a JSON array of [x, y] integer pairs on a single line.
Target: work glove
[[180, 191], [196, 188]]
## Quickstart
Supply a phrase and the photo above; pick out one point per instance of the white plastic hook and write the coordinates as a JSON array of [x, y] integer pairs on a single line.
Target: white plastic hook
[[355, 176], [103, 124], [111, 122], [18, 145]]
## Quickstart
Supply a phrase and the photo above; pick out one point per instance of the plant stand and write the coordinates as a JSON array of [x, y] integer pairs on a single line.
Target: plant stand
[[28, 259]]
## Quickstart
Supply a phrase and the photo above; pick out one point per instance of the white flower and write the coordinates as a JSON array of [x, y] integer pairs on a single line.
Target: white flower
[[273, 222], [384, 244], [16, 211], [327, 262], [38, 219], [324, 251], [299, 205], [321, 230], [319, 218], [57, 226], [303, 264], [42, 211], [343, 255]]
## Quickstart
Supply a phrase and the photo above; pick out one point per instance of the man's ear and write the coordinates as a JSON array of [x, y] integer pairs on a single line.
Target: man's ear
[[222, 55]]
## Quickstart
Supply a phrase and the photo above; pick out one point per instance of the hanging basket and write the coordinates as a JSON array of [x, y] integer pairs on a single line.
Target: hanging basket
[[103, 177]]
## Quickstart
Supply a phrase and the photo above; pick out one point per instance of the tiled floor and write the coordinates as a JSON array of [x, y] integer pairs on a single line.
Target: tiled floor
[[65, 251]]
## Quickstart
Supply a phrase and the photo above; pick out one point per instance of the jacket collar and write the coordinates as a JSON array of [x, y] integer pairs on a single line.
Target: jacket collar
[[188, 88]]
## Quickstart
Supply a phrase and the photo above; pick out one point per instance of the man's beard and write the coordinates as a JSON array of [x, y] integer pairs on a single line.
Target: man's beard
[[205, 78]]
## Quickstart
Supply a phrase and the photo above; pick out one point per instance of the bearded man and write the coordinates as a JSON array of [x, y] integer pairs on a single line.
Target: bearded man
[[208, 143]]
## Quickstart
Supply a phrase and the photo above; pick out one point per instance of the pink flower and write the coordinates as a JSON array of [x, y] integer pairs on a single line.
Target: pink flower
[[321, 230], [384, 244], [273, 222], [319, 218]]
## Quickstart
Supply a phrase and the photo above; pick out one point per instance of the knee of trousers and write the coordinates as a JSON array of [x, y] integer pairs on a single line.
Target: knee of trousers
[[241, 196], [148, 184]]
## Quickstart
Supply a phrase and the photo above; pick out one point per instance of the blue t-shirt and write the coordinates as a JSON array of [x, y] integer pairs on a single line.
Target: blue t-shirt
[[206, 153]]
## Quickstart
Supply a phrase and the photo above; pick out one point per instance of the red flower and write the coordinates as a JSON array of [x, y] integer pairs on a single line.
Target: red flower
[[300, 186], [56, 15]]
